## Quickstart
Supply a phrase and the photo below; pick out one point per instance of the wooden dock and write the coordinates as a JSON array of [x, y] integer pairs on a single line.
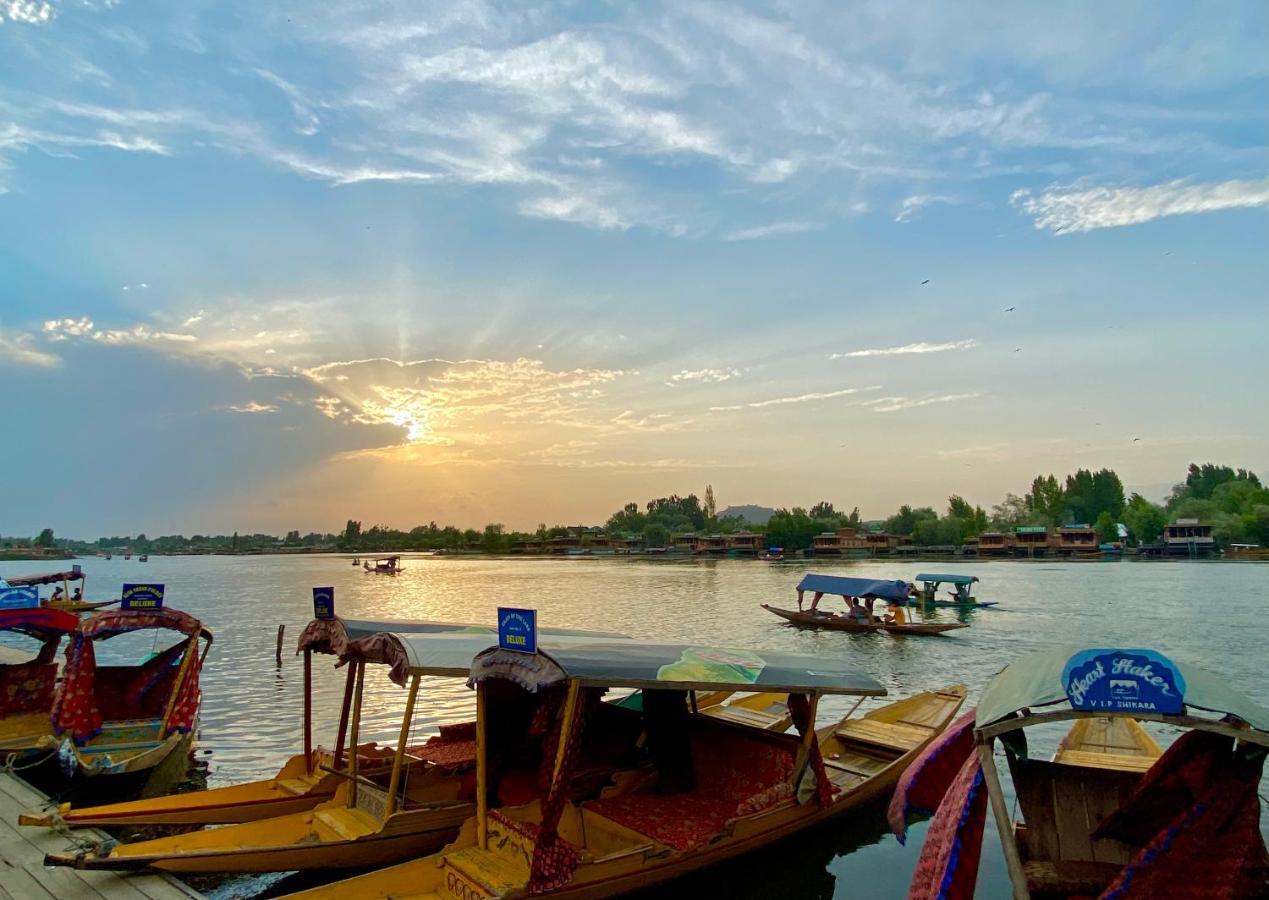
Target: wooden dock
[[23, 875]]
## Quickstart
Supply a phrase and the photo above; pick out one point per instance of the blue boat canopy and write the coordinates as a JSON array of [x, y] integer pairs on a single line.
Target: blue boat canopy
[[854, 587], [1113, 681], [948, 579]]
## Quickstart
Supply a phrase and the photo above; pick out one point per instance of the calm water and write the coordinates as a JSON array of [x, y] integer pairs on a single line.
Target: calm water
[[1211, 614]]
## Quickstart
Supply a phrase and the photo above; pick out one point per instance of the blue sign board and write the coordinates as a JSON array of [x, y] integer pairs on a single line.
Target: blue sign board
[[1124, 681], [142, 596], [324, 603], [518, 629], [19, 598]]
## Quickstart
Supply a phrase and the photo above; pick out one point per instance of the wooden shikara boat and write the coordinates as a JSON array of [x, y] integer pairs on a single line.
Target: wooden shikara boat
[[1107, 742], [306, 781], [1110, 815], [656, 822], [833, 622], [65, 603], [959, 597], [128, 719], [28, 679]]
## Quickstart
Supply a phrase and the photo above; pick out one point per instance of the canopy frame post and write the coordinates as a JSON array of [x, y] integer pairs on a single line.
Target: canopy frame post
[[482, 768], [395, 781], [191, 651], [308, 711], [1004, 823], [356, 734], [566, 727], [341, 738]]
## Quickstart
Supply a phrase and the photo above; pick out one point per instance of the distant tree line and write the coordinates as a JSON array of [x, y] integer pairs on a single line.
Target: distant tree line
[[1232, 500]]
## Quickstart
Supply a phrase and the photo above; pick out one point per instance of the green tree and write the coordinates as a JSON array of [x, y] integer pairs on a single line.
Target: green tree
[[1145, 520], [45, 539], [792, 529], [711, 508], [1107, 528], [1201, 481], [1046, 501], [494, 540], [823, 510], [1010, 512], [656, 535]]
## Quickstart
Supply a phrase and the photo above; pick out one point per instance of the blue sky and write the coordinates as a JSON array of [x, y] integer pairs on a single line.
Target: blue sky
[[272, 266]]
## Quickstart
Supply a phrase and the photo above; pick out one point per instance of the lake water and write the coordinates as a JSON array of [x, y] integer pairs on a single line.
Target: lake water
[[1211, 614]]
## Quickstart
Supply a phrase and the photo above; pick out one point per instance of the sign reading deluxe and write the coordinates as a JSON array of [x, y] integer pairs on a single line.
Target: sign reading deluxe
[[518, 629], [1127, 681]]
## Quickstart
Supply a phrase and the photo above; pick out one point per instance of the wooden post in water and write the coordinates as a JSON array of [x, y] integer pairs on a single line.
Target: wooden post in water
[[278, 655], [395, 781]]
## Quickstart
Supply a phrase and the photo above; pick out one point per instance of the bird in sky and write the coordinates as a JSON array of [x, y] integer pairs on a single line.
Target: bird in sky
[[1011, 309], [1136, 440], [927, 281], [1017, 349]]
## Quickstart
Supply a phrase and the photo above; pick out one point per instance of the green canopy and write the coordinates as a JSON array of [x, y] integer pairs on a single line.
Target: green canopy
[[1125, 680], [948, 579]]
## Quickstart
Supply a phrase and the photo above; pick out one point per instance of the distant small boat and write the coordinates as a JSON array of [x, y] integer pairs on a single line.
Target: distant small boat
[[385, 565], [144, 557], [772, 554], [959, 598], [894, 592], [356, 561]]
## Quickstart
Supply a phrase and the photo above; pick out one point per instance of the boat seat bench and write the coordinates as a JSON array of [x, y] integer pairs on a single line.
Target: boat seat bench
[[884, 734]]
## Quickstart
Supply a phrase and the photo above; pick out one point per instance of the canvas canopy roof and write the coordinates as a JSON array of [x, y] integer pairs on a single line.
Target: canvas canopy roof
[[1037, 680], [948, 579], [46, 578], [105, 625], [360, 628], [672, 666], [41, 622], [854, 587]]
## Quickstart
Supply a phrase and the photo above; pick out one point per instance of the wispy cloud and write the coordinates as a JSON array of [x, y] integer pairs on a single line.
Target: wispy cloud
[[920, 347], [1069, 210], [252, 408], [18, 348], [800, 398], [29, 12], [895, 404], [85, 329], [772, 230], [913, 205], [705, 376]]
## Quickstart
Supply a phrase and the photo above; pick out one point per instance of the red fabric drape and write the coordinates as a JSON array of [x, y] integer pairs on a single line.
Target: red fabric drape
[[923, 785], [1203, 792], [800, 711], [188, 695], [948, 867], [75, 703], [554, 859]]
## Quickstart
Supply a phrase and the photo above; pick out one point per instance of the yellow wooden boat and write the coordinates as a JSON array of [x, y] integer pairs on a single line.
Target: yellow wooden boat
[[304, 781], [1107, 742], [28, 676], [708, 791], [359, 826]]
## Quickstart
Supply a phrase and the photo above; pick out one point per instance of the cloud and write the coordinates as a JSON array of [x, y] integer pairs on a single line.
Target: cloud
[[800, 398], [921, 347], [895, 404], [1070, 210], [772, 230], [18, 349], [910, 206], [85, 329], [252, 407], [706, 376], [29, 12]]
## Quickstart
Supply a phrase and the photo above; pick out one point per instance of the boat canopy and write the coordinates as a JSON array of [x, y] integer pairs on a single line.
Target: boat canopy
[[41, 622], [417, 647], [104, 625], [948, 579], [46, 578], [671, 666], [854, 587], [1133, 680]]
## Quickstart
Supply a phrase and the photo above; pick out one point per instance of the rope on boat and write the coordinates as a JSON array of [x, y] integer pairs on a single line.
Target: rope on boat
[[11, 760]]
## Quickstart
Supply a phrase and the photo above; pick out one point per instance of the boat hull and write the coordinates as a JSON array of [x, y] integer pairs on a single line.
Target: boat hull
[[952, 604], [821, 620]]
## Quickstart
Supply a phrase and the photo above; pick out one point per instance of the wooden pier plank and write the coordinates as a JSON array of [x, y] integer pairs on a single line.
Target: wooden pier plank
[[24, 874]]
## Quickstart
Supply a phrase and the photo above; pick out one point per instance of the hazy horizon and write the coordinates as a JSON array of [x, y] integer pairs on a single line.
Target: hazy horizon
[[274, 267]]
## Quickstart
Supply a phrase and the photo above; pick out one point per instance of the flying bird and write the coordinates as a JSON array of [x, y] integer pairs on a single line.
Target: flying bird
[[1135, 440], [1011, 309], [927, 281], [1017, 349]]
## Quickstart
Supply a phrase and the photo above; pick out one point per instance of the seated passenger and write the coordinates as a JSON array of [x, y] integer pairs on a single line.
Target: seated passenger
[[897, 616]]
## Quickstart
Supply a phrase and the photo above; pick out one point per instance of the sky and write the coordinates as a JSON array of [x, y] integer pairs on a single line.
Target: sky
[[274, 266]]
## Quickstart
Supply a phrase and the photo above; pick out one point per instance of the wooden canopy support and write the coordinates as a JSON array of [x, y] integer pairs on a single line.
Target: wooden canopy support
[[1004, 823], [391, 806]]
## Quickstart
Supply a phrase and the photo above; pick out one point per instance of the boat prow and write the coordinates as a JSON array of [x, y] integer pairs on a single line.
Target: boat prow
[[820, 619], [1118, 743]]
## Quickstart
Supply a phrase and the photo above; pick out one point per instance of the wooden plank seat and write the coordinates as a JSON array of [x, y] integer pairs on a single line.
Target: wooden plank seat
[[740, 715], [1110, 760], [883, 734], [346, 823]]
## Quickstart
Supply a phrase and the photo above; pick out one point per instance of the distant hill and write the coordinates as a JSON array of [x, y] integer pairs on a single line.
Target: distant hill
[[755, 515]]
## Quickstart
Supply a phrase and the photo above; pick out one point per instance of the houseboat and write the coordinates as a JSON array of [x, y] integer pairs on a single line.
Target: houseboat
[[683, 543], [1031, 540], [1075, 540], [710, 545], [564, 545], [995, 543], [743, 543]]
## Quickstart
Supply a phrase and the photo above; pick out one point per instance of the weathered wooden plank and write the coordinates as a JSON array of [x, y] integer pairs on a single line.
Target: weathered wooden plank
[[22, 885], [61, 882]]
